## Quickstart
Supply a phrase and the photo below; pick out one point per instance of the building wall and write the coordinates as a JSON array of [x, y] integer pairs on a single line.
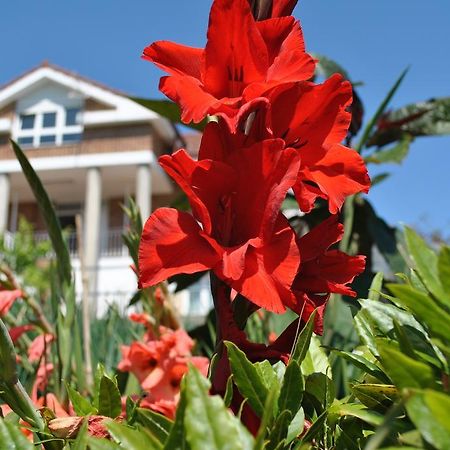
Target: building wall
[[95, 140]]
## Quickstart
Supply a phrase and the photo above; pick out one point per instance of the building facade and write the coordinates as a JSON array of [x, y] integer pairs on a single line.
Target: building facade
[[93, 148]]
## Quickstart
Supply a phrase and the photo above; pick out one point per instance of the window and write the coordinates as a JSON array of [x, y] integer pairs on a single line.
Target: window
[[72, 116], [71, 137], [25, 140], [48, 139], [27, 121], [57, 125], [49, 120]]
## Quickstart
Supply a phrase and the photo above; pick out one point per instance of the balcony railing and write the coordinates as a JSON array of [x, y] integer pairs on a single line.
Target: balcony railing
[[111, 243]]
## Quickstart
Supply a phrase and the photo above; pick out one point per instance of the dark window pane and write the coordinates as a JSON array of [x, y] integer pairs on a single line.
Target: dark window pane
[[25, 140], [27, 121], [49, 120], [72, 116], [72, 137], [49, 139]]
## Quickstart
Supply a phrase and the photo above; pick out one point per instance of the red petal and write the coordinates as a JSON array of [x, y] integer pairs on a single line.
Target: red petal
[[235, 54], [189, 94], [7, 298], [172, 242], [175, 59], [283, 7], [340, 173], [204, 182], [270, 270]]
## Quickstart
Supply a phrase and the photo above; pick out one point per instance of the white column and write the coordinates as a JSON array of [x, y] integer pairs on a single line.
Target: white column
[[144, 190], [4, 201], [92, 219]]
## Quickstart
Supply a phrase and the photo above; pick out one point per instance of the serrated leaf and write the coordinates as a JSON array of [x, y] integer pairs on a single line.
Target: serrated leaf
[[156, 424], [428, 410], [424, 308], [109, 401], [426, 262], [303, 341], [248, 379], [48, 213], [208, 422], [81, 405], [395, 154], [404, 371], [292, 389]]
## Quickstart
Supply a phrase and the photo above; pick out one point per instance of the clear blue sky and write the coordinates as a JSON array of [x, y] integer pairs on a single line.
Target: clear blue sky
[[373, 40]]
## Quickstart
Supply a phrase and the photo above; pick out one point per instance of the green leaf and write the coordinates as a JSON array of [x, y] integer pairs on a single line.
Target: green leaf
[[177, 436], [316, 360], [279, 430], [296, 426], [8, 364], [130, 438], [404, 371], [327, 67], [208, 422], [424, 308], [292, 389], [109, 402], [167, 109], [81, 405], [428, 410], [379, 178], [156, 424], [376, 286], [248, 379], [364, 364], [48, 213], [376, 396], [354, 410], [394, 154], [320, 387], [266, 421], [426, 262], [301, 345], [11, 438], [316, 428], [102, 444], [426, 118], [384, 104], [444, 271]]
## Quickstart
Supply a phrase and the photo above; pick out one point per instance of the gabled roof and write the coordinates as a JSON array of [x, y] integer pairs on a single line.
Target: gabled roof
[[118, 107]]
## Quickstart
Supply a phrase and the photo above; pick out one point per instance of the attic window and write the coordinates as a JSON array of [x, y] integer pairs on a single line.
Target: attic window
[[45, 128]]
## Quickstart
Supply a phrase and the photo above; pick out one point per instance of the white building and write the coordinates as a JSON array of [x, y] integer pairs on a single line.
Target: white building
[[93, 147]]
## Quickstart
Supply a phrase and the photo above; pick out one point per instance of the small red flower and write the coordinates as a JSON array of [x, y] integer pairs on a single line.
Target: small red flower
[[242, 59]]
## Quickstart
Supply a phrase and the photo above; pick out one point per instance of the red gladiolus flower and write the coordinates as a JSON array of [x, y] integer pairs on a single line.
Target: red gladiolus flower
[[323, 271], [243, 237], [314, 120], [7, 298], [241, 53]]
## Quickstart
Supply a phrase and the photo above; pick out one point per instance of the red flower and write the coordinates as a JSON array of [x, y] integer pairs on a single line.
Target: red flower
[[243, 237], [7, 298], [241, 53], [323, 271], [314, 120]]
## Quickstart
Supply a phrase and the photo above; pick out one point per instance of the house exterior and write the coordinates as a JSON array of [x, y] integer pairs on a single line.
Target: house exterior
[[93, 148]]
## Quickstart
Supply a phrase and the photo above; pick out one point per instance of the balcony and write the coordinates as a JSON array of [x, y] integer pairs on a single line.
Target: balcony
[[111, 243]]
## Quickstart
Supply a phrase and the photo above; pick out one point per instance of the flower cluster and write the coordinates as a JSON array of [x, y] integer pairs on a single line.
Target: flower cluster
[[159, 363], [270, 130]]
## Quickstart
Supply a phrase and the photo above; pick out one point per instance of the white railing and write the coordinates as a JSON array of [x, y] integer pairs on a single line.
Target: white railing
[[111, 243]]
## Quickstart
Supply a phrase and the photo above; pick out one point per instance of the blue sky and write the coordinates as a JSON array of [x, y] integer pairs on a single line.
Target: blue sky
[[373, 40]]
